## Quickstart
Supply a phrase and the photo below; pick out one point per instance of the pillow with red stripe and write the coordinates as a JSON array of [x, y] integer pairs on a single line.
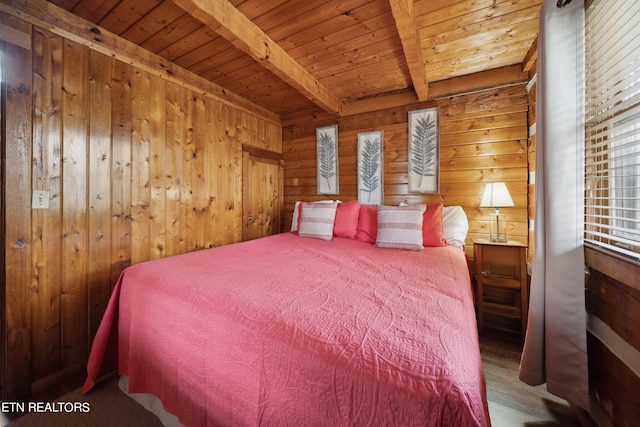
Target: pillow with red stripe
[[400, 227], [316, 220]]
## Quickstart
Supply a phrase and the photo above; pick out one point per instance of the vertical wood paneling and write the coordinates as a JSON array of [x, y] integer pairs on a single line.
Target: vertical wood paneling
[[140, 189], [230, 178], [47, 259], [187, 215], [220, 136], [75, 253], [121, 154], [199, 188], [210, 176], [136, 168], [17, 155], [100, 162], [173, 162], [155, 134]]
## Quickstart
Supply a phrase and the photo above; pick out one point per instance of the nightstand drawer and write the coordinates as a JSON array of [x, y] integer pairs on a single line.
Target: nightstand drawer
[[503, 255], [501, 282], [502, 310]]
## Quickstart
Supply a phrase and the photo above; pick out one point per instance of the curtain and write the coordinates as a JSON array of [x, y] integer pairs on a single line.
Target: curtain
[[555, 344]]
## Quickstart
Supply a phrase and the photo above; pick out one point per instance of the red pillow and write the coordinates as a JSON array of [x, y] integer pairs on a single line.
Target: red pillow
[[432, 228], [367, 224], [346, 224]]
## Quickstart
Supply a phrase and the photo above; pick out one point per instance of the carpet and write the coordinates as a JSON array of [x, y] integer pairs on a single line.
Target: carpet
[[104, 406]]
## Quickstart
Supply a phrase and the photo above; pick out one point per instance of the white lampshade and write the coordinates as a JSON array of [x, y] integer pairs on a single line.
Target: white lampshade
[[496, 195]]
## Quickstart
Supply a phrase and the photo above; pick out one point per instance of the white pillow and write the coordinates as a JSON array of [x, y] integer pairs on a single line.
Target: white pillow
[[400, 227], [455, 224], [296, 212], [317, 219]]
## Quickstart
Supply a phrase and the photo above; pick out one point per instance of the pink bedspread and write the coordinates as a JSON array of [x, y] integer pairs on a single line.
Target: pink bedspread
[[296, 331]]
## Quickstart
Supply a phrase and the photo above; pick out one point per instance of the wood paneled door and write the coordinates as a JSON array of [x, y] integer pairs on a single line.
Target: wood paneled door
[[261, 195]]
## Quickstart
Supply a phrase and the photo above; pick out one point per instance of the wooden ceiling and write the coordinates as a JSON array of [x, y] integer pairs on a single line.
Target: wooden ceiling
[[306, 55]]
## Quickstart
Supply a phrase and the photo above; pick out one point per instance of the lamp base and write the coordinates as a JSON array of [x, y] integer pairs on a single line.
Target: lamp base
[[498, 227]]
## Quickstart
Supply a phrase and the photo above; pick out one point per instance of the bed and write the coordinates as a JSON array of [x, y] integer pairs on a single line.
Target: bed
[[288, 330]]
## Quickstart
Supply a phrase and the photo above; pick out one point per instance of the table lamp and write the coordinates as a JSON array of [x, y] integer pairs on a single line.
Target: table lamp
[[497, 196]]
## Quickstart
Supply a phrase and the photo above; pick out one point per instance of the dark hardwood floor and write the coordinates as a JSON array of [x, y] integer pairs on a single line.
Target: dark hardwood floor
[[511, 402]]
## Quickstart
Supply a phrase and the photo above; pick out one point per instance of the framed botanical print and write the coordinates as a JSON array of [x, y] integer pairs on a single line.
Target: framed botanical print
[[424, 151], [370, 164], [327, 157]]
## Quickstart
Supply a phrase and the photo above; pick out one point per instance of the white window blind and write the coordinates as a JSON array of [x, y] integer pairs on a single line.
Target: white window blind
[[612, 129]]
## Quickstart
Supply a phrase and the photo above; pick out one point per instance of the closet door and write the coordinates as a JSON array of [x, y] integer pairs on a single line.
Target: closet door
[[261, 193]]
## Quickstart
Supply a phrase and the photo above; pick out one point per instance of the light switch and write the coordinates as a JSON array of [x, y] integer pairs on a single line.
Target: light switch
[[40, 199]]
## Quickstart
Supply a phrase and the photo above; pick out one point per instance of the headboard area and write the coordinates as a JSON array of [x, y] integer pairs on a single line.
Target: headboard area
[[451, 220]]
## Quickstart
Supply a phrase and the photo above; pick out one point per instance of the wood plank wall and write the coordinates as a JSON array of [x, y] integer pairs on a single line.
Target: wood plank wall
[[137, 167], [16, 154], [613, 304], [483, 137]]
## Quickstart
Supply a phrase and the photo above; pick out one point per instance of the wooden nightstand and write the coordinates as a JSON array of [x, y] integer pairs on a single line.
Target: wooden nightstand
[[503, 266]]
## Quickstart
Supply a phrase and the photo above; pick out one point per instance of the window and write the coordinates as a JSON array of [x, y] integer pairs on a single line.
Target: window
[[612, 129]]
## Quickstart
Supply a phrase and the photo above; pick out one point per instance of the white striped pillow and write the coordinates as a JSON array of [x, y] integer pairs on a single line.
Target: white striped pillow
[[316, 220], [400, 227]]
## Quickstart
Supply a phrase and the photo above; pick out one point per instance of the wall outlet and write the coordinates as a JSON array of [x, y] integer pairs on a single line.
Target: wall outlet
[[40, 199]]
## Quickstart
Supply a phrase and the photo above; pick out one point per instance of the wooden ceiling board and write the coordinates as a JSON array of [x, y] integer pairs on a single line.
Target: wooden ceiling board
[[377, 56], [127, 13], [309, 30], [176, 30], [208, 56], [433, 12], [238, 70], [66, 4], [431, 36], [274, 94], [189, 46], [466, 37], [339, 67], [454, 63], [293, 12], [338, 42], [372, 56], [158, 19], [92, 10], [255, 9], [351, 48], [381, 29], [365, 84]]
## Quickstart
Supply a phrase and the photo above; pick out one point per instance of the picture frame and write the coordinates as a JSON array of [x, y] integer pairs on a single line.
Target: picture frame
[[370, 167], [424, 151], [327, 160]]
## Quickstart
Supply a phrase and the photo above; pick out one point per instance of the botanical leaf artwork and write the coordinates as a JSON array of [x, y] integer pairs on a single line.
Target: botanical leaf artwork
[[424, 148], [326, 157], [369, 164], [424, 151]]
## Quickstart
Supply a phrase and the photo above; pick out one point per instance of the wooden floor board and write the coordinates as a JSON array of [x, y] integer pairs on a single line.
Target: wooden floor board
[[513, 403]]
